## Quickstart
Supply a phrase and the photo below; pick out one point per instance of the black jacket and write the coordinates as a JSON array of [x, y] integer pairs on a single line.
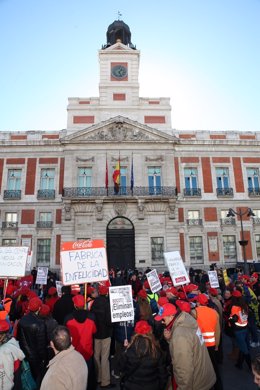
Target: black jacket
[[143, 373], [62, 308], [101, 309]]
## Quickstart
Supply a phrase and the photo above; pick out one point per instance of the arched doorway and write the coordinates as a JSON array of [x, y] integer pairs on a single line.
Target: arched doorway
[[121, 243]]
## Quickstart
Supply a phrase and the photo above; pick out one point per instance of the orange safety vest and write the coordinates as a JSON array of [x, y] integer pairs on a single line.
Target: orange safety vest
[[242, 316], [207, 319]]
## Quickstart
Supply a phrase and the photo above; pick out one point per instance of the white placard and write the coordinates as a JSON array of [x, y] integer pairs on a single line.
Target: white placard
[[154, 281], [42, 274], [176, 268], [83, 262], [213, 279], [58, 287], [13, 261], [121, 303], [29, 261]]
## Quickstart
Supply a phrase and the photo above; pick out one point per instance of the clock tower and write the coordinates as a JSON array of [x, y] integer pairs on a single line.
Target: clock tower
[[119, 88]]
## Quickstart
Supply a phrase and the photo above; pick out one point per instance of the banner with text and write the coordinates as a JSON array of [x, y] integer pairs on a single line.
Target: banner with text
[[154, 281], [83, 262], [121, 303], [176, 268], [42, 275], [213, 279], [13, 261]]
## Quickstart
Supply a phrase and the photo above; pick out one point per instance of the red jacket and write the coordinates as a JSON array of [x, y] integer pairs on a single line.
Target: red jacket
[[82, 327]]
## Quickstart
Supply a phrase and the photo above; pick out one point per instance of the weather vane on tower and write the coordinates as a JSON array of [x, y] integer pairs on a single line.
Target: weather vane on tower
[[119, 15]]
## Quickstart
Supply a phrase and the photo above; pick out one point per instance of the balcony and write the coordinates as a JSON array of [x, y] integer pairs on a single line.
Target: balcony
[[252, 192], [12, 194], [9, 225], [193, 192], [95, 192], [194, 222], [46, 194], [226, 192], [44, 224], [228, 221]]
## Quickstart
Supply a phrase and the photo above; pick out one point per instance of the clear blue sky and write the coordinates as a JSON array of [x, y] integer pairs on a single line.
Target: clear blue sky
[[203, 54]]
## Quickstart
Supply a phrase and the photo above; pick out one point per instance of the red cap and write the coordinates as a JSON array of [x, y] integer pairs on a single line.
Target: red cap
[[245, 277], [191, 287], [254, 275], [236, 294], [103, 290], [44, 310], [4, 326], [183, 305], [142, 294], [32, 294], [146, 285], [90, 290], [78, 300], [34, 304], [166, 310], [142, 327], [213, 292], [172, 290], [52, 291], [181, 295], [202, 299], [162, 301]]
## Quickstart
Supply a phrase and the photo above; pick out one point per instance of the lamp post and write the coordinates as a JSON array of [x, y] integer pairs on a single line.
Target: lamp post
[[243, 243]]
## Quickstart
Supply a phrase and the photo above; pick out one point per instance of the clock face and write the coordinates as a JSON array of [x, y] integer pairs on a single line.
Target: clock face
[[119, 71]]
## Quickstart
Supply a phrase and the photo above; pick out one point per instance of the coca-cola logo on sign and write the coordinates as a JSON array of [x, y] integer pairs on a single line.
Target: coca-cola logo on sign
[[82, 244]]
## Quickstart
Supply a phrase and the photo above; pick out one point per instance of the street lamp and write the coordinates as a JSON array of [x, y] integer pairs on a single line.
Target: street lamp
[[242, 242]]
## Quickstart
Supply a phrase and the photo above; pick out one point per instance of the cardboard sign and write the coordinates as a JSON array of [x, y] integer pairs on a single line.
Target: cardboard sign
[[176, 268], [154, 281], [58, 287], [213, 279], [121, 303], [83, 262], [13, 261], [42, 274]]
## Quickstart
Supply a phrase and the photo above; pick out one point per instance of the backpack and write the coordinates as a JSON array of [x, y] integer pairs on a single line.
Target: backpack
[[153, 302]]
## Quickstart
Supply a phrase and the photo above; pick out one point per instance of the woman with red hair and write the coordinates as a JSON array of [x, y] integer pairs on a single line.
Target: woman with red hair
[[142, 364]]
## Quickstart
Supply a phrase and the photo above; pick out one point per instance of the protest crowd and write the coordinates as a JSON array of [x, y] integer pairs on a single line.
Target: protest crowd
[[173, 341]]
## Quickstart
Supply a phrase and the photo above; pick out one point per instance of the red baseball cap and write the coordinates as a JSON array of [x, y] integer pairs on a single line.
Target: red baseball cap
[[236, 294], [44, 310], [4, 326], [166, 310], [183, 305], [162, 301], [245, 277], [213, 291], [142, 327], [254, 275], [172, 290], [34, 304], [78, 300], [103, 290], [142, 294], [52, 291], [191, 287], [202, 299]]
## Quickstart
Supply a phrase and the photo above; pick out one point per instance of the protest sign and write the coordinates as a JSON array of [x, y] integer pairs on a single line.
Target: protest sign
[[29, 261], [42, 274], [154, 281], [213, 279], [176, 268], [121, 303], [58, 287], [83, 262], [13, 261]]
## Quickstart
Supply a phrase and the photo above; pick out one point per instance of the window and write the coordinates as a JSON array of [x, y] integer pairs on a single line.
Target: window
[[229, 246], [47, 179], [11, 217], [154, 180], [191, 181], [9, 242], [45, 217], [257, 213], [84, 177], [257, 242], [14, 179], [226, 220], [223, 185], [43, 251], [253, 179], [157, 248], [194, 217], [196, 250]]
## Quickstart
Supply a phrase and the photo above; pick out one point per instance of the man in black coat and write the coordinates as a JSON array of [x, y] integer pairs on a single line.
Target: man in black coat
[[63, 306], [32, 337], [102, 342]]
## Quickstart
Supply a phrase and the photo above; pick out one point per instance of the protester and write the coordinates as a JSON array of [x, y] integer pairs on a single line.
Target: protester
[[192, 367], [10, 357], [142, 364], [51, 298], [63, 306], [143, 309], [67, 370]]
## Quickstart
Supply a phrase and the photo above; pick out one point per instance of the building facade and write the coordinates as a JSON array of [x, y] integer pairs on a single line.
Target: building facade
[[175, 187]]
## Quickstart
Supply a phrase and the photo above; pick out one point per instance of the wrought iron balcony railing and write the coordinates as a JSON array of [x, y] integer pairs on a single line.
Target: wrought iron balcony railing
[[256, 220], [253, 192], [44, 224], [192, 192], [228, 221], [194, 222], [225, 192], [86, 192], [12, 194], [46, 194], [9, 225]]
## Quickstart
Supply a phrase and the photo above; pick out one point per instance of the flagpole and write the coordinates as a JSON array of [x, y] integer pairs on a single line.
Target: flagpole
[[132, 175]]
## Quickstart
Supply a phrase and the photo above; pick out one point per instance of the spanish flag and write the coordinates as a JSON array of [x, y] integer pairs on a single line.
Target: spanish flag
[[116, 177]]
